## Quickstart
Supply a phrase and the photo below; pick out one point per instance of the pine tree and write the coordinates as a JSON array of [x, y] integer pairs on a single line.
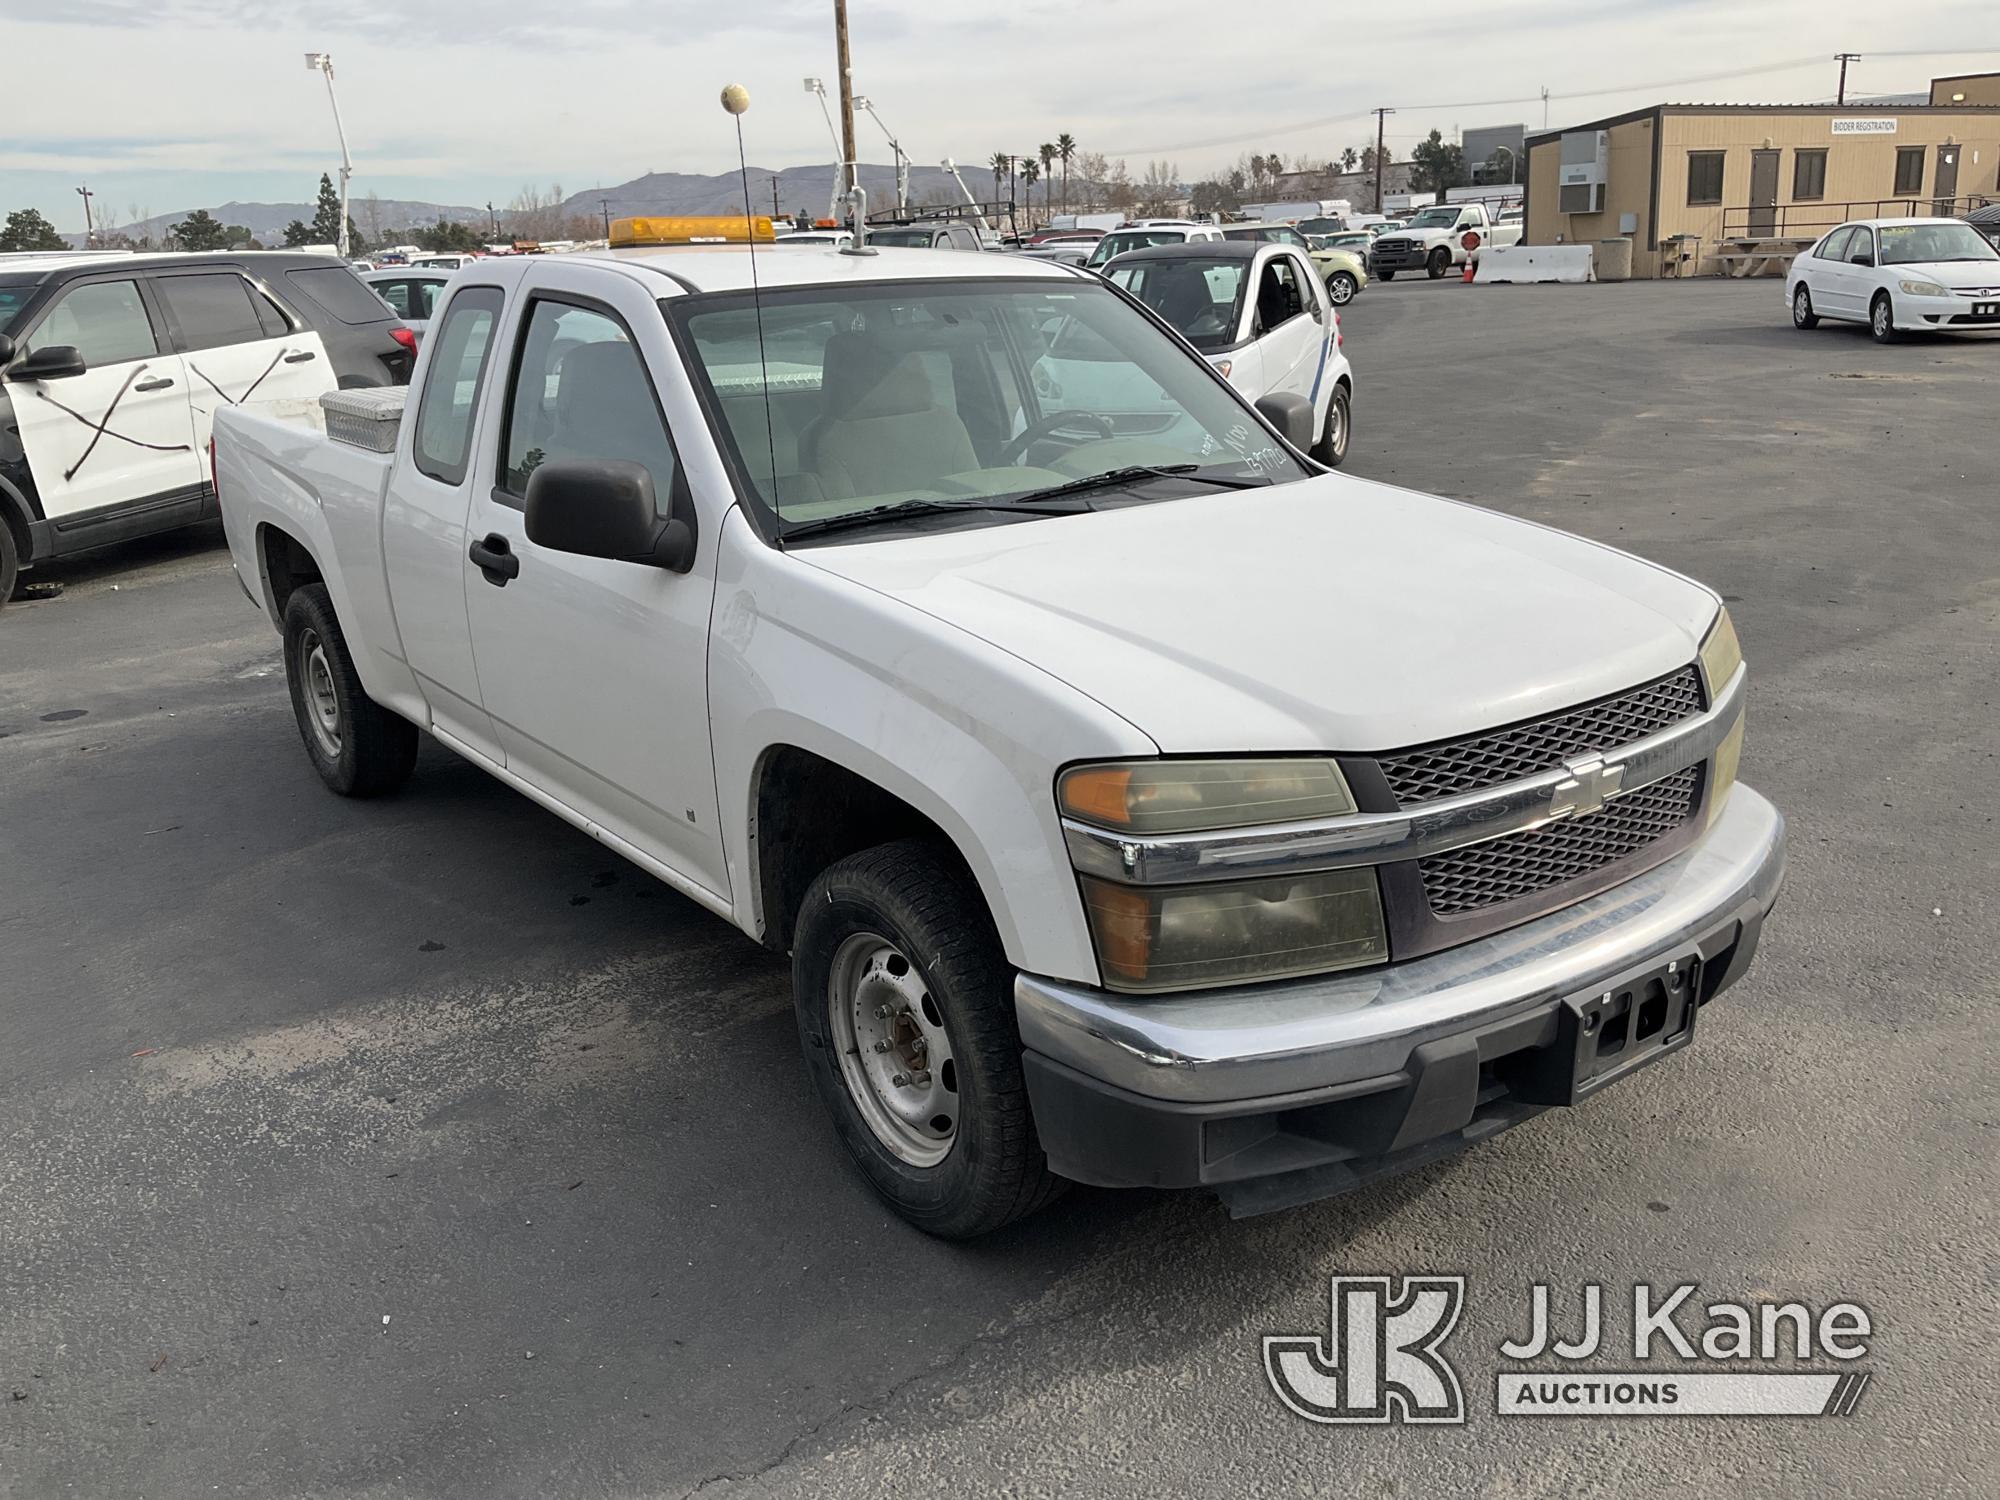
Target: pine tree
[[27, 230], [326, 216]]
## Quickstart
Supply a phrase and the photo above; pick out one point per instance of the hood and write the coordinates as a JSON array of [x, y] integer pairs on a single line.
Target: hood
[[1329, 614], [1952, 273]]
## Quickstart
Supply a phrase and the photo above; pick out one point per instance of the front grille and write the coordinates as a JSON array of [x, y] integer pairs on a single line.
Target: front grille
[[1458, 766], [1521, 864]]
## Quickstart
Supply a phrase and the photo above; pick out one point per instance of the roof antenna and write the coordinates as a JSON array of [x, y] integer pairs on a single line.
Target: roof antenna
[[736, 99]]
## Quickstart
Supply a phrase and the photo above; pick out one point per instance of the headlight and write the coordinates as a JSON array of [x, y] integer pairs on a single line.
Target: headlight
[[1720, 657], [1923, 289], [1188, 937], [1720, 654], [1165, 796]]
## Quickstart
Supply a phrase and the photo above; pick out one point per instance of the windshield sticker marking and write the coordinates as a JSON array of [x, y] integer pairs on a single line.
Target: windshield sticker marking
[[101, 428]]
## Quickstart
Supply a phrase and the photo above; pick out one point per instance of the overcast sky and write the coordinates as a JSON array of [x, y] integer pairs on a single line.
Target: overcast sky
[[168, 104]]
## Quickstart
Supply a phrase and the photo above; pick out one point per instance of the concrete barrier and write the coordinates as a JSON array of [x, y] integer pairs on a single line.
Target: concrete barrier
[[1572, 263]]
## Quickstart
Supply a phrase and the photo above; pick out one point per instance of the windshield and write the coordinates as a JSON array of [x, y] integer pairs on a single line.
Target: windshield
[[1133, 239], [960, 391], [1910, 244], [1201, 298], [14, 296], [1434, 218]]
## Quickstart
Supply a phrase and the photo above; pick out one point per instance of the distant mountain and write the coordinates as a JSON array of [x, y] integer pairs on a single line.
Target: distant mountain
[[799, 189]]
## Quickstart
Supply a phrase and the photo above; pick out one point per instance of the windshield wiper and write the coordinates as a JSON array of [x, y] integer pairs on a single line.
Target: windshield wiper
[[921, 506], [1131, 473]]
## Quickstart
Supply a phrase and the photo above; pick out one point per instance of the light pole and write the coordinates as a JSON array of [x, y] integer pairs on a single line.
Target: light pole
[[863, 102], [323, 62], [816, 86], [89, 230]]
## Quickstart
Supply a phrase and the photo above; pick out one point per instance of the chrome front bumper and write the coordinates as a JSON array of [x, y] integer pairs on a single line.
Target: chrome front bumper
[[1306, 1036]]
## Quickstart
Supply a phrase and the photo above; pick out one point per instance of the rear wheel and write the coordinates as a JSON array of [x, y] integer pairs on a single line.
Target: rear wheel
[[1341, 286], [1331, 449], [906, 1015], [1803, 315], [1439, 263], [359, 748], [1882, 319]]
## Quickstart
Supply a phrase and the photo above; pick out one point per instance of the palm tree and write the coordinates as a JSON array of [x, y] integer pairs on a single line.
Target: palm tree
[[1065, 149], [999, 165], [1047, 152], [1030, 174]]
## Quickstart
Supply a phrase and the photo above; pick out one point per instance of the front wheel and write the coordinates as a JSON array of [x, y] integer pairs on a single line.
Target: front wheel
[[1439, 263], [1385, 275], [10, 561], [1803, 315], [906, 1015], [359, 748], [1341, 286], [1331, 449], [1882, 319]]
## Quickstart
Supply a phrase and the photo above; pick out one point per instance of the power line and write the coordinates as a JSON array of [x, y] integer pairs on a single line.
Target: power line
[[1296, 127]]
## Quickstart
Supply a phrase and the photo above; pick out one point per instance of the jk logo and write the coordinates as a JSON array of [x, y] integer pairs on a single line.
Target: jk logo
[[1380, 1362]]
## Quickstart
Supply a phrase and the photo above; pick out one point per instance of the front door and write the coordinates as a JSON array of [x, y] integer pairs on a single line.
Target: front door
[[241, 347], [1289, 336], [118, 436], [1946, 186], [1764, 193], [595, 672]]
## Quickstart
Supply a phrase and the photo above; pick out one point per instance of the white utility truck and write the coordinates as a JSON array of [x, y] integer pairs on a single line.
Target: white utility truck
[[1139, 803], [1436, 239]]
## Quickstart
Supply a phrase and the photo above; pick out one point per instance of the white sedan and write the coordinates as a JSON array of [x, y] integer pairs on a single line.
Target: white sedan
[[1260, 315], [1898, 275]]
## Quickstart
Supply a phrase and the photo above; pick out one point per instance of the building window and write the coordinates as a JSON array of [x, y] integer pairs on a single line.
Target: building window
[[1909, 170], [1808, 176], [1705, 176]]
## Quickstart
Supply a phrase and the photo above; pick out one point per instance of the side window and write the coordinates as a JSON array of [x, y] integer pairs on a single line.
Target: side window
[[210, 310], [1909, 171], [1862, 245], [104, 320], [580, 390], [1834, 246], [1309, 287], [395, 293], [452, 382], [426, 299], [1278, 299]]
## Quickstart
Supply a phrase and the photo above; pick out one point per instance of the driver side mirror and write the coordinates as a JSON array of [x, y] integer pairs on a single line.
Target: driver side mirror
[[1291, 414], [1864, 258], [6, 350], [55, 362], [605, 507]]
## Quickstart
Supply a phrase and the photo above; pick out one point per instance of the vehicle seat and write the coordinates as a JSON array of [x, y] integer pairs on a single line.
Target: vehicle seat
[[1184, 298], [1275, 303], [605, 409], [881, 428]]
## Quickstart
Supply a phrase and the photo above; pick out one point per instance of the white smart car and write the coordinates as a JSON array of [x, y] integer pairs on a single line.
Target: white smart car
[[1898, 275]]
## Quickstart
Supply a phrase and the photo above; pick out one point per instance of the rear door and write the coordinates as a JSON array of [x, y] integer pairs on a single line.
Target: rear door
[[595, 672], [119, 435], [241, 347]]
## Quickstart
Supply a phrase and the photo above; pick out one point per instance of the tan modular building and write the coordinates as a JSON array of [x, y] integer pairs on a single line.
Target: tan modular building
[[1966, 88], [1702, 189]]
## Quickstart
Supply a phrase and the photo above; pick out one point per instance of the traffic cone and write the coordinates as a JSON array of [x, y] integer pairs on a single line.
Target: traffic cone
[[1468, 268]]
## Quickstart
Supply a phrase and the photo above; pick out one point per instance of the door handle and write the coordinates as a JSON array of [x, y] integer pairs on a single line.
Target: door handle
[[299, 359], [157, 383], [494, 557]]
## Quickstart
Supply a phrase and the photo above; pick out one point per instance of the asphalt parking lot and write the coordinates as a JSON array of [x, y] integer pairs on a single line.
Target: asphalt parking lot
[[422, 1148]]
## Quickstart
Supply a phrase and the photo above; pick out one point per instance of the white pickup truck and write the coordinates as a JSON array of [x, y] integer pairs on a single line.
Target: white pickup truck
[[1139, 803], [1434, 241]]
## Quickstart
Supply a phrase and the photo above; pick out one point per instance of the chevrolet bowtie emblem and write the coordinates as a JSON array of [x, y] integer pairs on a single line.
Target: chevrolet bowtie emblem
[[1589, 785]]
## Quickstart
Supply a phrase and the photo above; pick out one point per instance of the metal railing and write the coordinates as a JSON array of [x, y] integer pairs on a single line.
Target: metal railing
[[1808, 221]]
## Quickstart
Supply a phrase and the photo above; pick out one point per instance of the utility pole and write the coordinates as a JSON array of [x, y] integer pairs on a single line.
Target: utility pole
[[1545, 106], [1844, 58], [851, 170], [89, 229], [775, 215], [495, 219], [605, 205], [1381, 120]]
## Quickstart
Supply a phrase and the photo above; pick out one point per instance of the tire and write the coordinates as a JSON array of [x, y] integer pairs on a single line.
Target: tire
[[1803, 315], [1882, 319], [901, 929], [1341, 287], [1385, 275], [359, 748], [1331, 449], [10, 561], [1438, 264]]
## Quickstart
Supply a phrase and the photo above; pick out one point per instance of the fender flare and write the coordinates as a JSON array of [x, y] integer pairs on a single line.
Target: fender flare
[[19, 517]]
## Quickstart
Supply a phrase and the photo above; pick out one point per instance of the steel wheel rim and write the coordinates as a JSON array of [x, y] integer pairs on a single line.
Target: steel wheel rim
[[322, 702], [886, 1026], [1336, 428]]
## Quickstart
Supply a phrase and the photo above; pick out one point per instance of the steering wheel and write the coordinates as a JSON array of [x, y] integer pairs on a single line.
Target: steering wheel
[[1055, 421]]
